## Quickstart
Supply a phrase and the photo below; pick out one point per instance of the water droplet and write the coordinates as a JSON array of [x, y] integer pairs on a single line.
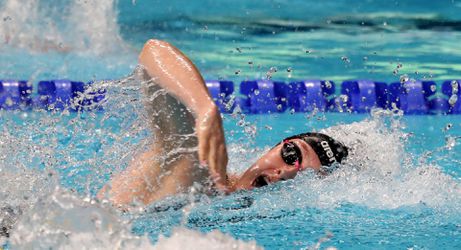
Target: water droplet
[[345, 59], [9, 102], [448, 126], [394, 106], [453, 99], [454, 87], [450, 142], [271, 71], [279, 107], [404, 78]]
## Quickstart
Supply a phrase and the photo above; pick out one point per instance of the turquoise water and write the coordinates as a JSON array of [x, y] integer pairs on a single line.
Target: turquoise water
[[399, 190]]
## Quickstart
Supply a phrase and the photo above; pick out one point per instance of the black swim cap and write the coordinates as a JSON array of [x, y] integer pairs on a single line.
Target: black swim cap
[[328, 149]]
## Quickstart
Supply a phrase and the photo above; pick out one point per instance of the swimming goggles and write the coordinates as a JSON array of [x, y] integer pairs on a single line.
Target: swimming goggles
[[291, 154]]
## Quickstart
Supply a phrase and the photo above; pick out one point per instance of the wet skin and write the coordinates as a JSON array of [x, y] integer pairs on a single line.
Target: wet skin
[[271, 168]]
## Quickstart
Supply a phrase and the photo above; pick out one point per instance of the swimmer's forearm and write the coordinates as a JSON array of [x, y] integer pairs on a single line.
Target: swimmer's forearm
[[173, 71]]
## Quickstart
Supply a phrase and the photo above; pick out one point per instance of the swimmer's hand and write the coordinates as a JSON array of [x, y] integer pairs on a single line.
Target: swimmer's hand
[[212, 145]]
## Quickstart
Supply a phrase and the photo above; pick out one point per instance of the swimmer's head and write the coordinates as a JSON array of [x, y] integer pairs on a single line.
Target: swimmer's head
[[314, 151]]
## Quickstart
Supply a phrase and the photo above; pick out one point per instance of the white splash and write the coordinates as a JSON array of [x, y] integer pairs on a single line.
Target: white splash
[[65, 221], [185, 239], [77, 26], [378, 173]]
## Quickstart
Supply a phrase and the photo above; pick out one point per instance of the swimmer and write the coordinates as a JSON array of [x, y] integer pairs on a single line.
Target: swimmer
[[189, 143]]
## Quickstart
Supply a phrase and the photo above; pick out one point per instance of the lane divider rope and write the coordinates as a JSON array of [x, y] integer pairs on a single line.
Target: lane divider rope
[[259, 96]]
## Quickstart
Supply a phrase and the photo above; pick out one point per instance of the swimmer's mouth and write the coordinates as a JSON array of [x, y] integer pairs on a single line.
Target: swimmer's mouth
[[261, 181]]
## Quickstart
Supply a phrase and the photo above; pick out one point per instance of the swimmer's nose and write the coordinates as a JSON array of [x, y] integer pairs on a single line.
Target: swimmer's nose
[[282, 175], [287, 174]]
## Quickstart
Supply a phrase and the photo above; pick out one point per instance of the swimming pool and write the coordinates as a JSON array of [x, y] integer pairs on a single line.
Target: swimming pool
[[400, 188]]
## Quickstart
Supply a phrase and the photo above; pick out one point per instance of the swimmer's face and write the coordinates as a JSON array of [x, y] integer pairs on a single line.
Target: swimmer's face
[[273, 167]]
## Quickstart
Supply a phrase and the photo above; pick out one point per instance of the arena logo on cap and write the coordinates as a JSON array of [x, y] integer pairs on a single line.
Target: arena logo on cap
[[329, 152]]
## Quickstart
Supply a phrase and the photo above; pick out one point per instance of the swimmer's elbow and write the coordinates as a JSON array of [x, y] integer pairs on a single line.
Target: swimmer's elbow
[[157, 43], [153, 46]]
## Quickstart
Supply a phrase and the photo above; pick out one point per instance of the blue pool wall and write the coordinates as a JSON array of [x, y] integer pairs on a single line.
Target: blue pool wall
[[260, 96]]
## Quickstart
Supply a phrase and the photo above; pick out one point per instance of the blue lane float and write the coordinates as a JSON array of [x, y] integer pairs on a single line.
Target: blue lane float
[[15, 94], [221, 92], [262, 96], [409, 97], [363, 95], [58, 94], [92, 99], [310, 95], [435, 100]]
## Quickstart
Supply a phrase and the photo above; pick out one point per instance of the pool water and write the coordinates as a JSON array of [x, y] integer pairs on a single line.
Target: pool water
[[400, 187]]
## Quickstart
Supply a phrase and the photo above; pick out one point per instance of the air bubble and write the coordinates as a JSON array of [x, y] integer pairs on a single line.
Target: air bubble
[[433, 88], [328, 84], [256, 92]]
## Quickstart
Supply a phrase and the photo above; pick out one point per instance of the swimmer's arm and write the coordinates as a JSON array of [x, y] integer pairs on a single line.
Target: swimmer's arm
[[173, 71]]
